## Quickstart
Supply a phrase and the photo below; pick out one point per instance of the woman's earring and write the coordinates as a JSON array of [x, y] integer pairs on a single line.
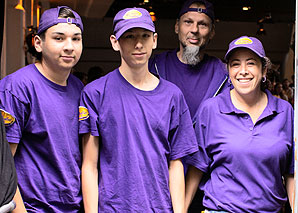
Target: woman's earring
[[264, 79]]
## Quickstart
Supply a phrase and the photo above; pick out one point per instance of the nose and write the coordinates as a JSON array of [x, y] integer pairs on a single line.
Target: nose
[[68, 45], [243, 70], [194, 28], [139, 43]]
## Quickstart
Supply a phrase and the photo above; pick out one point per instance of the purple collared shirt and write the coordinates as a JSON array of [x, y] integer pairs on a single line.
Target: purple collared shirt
[[244, 162]]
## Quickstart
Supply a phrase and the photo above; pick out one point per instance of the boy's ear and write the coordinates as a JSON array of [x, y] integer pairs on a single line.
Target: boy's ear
[[115, 43], [155, 36], [38, 43]]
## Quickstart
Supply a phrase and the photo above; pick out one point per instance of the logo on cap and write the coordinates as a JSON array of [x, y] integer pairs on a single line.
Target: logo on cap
[[132, 14], [83, 113], [7, 118], [243, 41]]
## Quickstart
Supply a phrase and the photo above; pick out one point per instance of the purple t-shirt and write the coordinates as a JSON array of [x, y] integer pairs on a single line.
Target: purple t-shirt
[[42, 117], [244, 162], [140, 132], [197, 83]]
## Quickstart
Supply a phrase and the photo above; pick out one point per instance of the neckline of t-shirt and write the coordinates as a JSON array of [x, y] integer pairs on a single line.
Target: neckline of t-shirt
[[49, 82], [131, 87], [181, 64]]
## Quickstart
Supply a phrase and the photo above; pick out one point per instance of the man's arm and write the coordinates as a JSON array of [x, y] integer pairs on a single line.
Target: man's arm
[[20, 207], [177, 185], [290, 189], [193, 178], [90, 173]]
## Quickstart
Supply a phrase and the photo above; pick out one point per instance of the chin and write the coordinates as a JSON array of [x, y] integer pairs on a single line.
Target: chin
[[245, 92]]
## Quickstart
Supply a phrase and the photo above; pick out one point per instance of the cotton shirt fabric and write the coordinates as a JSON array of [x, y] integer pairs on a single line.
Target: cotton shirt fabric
[[46, 123], [140, 133], [197, 83], [244, 162], [8, 175]]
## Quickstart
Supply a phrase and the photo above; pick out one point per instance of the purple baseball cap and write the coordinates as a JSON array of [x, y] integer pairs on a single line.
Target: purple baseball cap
[[251, 43], [209, 11], [131, 18], [50, 18]]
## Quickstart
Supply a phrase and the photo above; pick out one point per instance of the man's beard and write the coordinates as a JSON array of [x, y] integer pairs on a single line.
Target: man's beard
[[191, 55]]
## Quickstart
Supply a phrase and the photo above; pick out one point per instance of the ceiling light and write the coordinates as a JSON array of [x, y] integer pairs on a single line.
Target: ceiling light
[[245, 8], [153, 17], [261, 30], [19, 6]]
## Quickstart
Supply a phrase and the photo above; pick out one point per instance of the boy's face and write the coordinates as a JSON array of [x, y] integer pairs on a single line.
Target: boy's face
[[61, 47], [136, 46]]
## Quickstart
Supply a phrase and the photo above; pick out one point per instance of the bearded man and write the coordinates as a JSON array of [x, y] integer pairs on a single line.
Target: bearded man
[[198, 75]]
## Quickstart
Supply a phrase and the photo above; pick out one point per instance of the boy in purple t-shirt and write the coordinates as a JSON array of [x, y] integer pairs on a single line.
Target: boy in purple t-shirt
[[39, 104], [136, 128]]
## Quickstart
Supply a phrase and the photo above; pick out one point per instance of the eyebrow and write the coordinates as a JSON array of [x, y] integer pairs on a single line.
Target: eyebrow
[[59, 33], [251, 59], [236, 59]]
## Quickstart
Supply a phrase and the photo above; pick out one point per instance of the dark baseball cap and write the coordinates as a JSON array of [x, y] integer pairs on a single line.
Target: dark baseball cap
[[251, 43], [209, 11], [50, 18], [131, 18]]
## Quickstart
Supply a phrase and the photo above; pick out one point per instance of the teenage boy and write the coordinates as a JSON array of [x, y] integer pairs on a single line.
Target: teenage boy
[[39, 104], [136, 126]]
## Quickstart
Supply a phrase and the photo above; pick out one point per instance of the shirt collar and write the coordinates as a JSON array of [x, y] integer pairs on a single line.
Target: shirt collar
[[226, 106]]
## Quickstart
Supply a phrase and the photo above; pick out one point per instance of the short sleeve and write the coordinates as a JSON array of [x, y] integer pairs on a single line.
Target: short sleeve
[[88, 114], [182, 137], [200, 159], [15, 114]]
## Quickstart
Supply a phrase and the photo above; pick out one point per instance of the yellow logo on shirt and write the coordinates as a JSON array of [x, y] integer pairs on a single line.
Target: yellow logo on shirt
[[243, 41], [132, 14], [83, 113], [7, 118]]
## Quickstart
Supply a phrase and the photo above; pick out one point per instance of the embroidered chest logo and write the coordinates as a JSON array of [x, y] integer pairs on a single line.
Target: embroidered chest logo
[[7, 118], [83, 113]]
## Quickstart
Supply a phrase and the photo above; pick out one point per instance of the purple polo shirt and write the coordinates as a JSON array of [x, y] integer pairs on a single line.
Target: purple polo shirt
[[244, 162], [197, 83], [140, 133], [47, 159]]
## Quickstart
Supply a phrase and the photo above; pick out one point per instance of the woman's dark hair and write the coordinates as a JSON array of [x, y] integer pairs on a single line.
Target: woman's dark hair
[[63, 13], [266, 64]]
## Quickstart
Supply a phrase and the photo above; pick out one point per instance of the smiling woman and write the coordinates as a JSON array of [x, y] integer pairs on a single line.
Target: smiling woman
[[247, 65], [252, 150]]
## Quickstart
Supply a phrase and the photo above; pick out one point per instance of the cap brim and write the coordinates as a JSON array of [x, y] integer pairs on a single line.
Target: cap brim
[[228, 54], [134, 25]]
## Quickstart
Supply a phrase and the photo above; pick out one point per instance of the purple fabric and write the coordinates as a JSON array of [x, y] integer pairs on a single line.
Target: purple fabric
[[209, 11], [243, 162], [48, 159], [141, 131], [196, 83], [131, 18], [251, 43], [50, 18]]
